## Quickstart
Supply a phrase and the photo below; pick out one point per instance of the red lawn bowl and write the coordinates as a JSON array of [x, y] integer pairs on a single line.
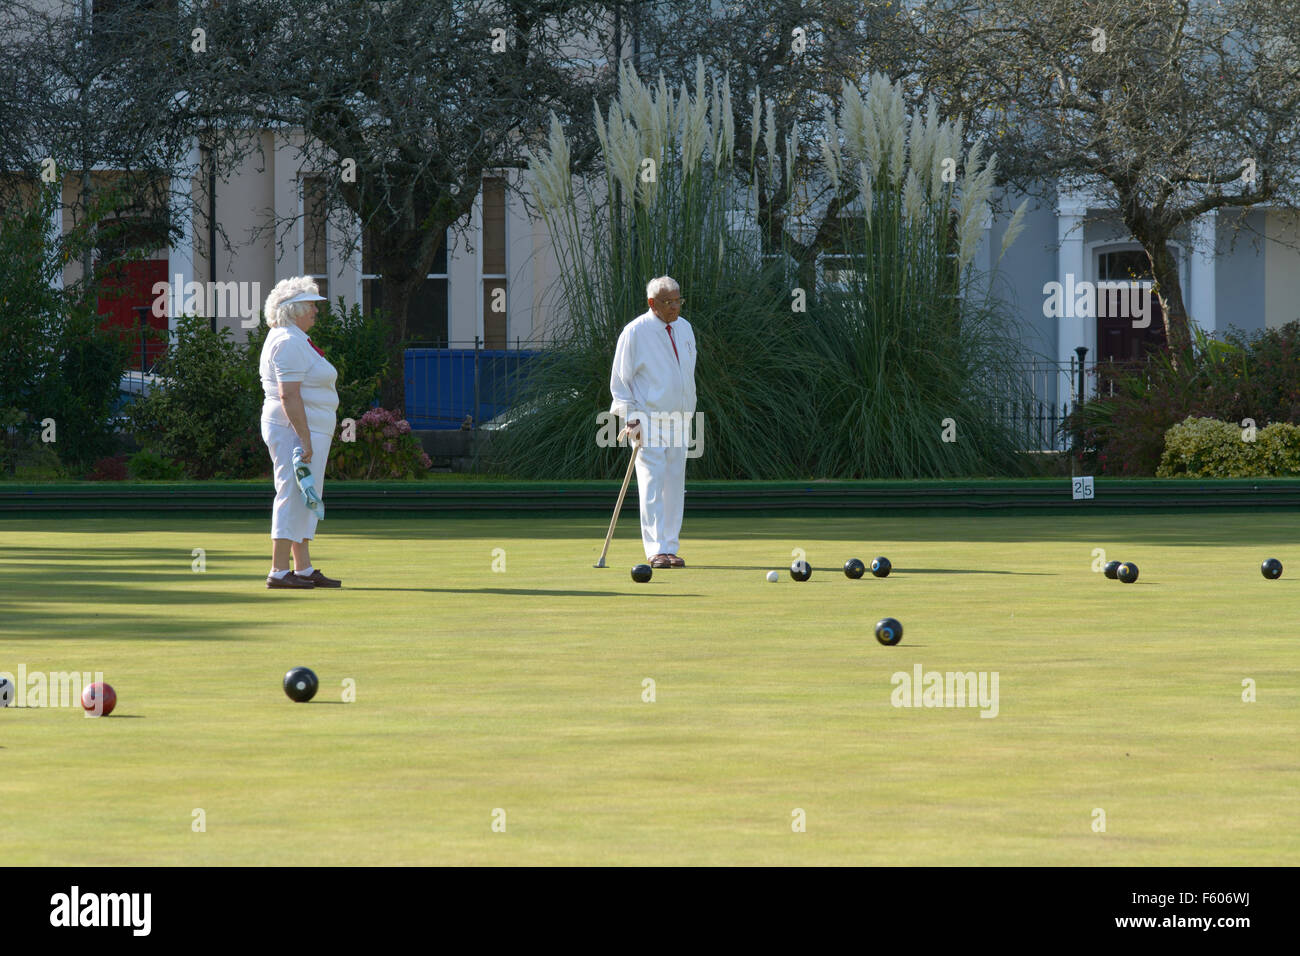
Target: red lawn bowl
[[99, 699]]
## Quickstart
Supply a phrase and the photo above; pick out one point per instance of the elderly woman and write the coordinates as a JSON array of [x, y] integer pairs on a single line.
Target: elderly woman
[[298, 413]]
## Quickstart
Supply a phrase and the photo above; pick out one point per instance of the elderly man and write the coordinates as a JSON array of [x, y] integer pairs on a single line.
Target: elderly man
[[653, 384]]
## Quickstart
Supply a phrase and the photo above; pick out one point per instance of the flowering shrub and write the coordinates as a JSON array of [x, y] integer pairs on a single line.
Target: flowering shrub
[[1207, 448], [384, 448], [109, 469]]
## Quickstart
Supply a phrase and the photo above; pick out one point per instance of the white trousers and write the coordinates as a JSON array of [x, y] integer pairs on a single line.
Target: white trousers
[[661, 485], [290, 518]]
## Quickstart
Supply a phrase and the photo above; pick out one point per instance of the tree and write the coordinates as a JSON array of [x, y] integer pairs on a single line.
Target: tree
[[1172, 108], [405, 104], [86, 97]]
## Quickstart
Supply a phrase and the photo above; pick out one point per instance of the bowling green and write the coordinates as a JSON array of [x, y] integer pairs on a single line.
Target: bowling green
[[488, 697]]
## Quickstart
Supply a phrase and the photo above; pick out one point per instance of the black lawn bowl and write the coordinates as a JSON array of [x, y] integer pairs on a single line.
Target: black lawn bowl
[[888, 631], [881, 567], [1111, 570], [642, 573], [1128, 572], [854, 568], [301, 684], [1271, 569], [801, 570]]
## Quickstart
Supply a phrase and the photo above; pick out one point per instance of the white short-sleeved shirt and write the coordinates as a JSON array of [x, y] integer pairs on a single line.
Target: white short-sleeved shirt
[[288, 356]]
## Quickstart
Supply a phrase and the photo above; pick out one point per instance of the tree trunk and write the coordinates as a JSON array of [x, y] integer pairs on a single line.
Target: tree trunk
[[1169, 289], [397, 300], [403, 266]]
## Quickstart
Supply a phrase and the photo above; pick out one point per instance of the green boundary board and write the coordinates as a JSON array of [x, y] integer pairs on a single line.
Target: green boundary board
[[480, 496]]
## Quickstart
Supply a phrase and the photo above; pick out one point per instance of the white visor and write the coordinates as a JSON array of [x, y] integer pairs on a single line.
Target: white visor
[[305, 297]]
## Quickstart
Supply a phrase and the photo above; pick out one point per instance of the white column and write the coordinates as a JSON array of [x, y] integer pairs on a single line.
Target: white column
[[476, 225], [1071, 329], [1205, 234], [354, 262], [180, 255]]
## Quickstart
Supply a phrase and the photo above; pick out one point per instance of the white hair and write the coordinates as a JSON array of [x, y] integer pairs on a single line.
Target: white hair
[[656, 287], [277, 314]]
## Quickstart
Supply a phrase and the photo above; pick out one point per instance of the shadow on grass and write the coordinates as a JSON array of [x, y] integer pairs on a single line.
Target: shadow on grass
[[88, 625], [1209, 527], [831, 569], [525, 592]]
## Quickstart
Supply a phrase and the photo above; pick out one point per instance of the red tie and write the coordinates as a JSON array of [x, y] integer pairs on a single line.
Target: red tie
[[315, 346], [672, 338]]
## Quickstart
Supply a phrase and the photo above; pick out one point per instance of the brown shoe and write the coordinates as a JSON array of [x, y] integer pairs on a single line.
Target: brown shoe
[[676, 562], [320, 580], [290, 581], [661, 561]]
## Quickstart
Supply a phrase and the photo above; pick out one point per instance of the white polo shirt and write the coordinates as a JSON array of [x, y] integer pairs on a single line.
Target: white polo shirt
[[288, 356]]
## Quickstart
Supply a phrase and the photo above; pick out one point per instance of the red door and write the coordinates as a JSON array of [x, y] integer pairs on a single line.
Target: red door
[[128, 286]]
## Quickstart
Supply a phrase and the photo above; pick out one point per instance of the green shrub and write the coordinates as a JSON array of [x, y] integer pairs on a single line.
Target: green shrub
[[1122, 432], [82, 392], [30, 305], [1208, 448], [1266, 386], [1237, 378], [150, 466], [55, 361], [23, 455], [207, 415]]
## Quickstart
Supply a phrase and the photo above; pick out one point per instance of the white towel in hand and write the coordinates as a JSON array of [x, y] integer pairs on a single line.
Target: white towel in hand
[[307, 485]]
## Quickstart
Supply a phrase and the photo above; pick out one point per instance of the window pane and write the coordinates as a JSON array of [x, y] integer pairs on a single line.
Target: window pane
[[426, 315], [371, 297], [313, 225], [494, 313], [494, 227], [370, 267], [440, 260]]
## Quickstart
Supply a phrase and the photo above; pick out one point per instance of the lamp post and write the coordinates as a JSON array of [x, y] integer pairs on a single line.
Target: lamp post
[[1081, 351]]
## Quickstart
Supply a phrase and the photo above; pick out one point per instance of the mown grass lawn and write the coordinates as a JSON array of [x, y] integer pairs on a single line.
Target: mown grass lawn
[[519, 694]]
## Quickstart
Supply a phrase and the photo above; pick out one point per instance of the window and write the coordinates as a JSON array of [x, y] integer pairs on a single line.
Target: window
[[841, 266], [1124, 265], [315, 259], [114, 23], [426, 312], [495, 334]]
